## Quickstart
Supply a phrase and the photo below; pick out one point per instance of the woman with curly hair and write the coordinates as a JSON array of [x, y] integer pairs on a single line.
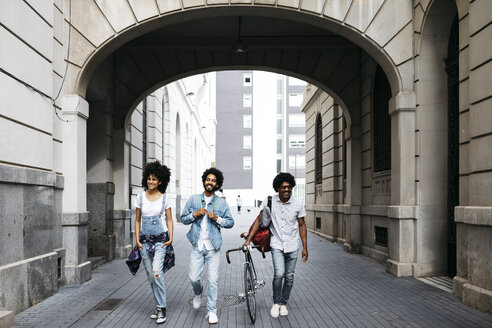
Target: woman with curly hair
[[154, 228]]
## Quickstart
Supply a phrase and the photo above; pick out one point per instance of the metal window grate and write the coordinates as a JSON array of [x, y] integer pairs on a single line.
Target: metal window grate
[[344, 148], [144, 132], [319, 150], [109, 304], [382, 122], [59, 268], [381, 236]]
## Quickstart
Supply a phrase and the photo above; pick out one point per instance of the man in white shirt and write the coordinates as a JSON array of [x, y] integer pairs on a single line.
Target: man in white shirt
[[287, 228], [239, 202], [206, 213]]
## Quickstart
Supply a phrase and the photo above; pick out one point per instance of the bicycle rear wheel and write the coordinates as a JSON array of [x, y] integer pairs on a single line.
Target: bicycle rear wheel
[[250, 292]]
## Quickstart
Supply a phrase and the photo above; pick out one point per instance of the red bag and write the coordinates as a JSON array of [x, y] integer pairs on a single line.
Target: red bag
[[262, 237]]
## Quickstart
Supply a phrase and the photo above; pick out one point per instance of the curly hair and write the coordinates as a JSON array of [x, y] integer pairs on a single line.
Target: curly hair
[[218, 174], [161, 172], [281, 178]]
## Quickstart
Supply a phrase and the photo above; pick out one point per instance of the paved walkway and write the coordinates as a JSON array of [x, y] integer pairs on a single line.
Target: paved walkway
[[333, 289]]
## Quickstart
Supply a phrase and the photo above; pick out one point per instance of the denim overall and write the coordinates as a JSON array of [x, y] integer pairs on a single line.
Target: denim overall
[[153, 262]]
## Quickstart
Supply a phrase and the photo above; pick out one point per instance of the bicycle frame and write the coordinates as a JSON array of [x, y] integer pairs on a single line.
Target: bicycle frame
[[251, 282]]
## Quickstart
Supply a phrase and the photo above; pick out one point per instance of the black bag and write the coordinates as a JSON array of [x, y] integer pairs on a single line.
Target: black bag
[[134, 260]]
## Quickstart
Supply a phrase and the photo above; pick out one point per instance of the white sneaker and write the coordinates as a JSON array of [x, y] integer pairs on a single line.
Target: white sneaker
[[212, 318], [154, 314], [197, 301], [274, 312], [283, 310]]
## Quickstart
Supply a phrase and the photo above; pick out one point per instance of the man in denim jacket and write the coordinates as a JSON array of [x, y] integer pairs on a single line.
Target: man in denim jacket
[[206, 213]]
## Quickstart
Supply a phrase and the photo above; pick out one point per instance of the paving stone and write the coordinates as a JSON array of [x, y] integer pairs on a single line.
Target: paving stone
[[333, 289]]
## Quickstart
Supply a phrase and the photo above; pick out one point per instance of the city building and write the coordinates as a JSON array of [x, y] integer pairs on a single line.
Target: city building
[[260, 132], [175, 125]]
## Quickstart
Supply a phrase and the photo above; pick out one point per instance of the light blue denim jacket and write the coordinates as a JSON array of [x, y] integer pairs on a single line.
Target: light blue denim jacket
[[221, 210]]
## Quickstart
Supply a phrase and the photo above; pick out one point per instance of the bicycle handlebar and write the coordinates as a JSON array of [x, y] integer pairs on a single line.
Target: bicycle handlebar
[[241, 249]]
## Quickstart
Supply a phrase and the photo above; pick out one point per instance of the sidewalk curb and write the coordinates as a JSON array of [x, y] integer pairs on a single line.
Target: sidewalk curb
[[6, 319]]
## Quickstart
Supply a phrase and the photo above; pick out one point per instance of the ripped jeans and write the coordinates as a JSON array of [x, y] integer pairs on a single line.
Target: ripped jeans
[[153, 267]]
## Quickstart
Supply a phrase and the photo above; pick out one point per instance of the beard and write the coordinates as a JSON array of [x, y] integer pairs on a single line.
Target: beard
[[205, 186]]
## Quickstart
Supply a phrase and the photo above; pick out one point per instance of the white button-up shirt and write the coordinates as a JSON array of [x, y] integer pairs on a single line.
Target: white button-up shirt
[[204, 238], [285, 224]]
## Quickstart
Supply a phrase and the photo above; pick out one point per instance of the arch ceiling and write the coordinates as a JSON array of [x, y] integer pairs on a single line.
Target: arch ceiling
[[315, 49]]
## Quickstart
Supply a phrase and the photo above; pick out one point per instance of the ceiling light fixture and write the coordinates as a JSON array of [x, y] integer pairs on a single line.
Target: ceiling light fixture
[[239, 47]]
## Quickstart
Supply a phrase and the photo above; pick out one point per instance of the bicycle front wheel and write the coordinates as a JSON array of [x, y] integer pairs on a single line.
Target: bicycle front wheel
[[250, 292]]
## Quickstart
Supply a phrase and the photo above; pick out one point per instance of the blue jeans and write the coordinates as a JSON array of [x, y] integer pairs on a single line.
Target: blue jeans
[[197, 262], [284, 265], [153, 267], [153, 263]]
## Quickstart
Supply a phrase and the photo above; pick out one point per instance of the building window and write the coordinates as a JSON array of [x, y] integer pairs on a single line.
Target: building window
[[165, 110], [295, 99], [247, 79], [279, 165], [247, 162], [247, 100], [318, 164], [297, 161], [296, 82], [296, 141], [247, 121], [280, 105], [247, 142], [279, 146], [144, 133], [382, 122], [280, 86], [297, 121], [344, 148], [279, 126]]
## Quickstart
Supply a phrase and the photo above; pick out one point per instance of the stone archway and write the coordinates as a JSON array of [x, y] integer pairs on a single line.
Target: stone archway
[[101, 30], [328, 51]]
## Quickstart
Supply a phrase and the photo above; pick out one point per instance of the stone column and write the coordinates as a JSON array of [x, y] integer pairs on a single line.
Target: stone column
[[401, 213], [100, 186], [353, 199], [75, 110], [121, 213]]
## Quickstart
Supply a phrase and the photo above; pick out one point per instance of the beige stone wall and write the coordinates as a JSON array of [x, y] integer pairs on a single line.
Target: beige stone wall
[[31, 182], [474, 216], [32, 53], [325, 201], [375, 186], [321, 199]]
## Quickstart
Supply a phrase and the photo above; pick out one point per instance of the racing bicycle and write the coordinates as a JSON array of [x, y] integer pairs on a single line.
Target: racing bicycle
[[251, 282]]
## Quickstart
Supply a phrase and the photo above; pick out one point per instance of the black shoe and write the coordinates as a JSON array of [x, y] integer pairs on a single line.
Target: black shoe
[[161, 315]]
